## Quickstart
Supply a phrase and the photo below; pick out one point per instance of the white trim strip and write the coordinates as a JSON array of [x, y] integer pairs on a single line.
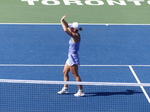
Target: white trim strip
[[73, 82], [139, 82]]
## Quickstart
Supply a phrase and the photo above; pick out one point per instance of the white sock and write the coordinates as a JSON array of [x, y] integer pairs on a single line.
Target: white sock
[[79, 90], [65, 88]]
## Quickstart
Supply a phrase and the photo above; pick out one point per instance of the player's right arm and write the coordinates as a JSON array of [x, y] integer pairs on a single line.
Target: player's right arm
[[66, 27]]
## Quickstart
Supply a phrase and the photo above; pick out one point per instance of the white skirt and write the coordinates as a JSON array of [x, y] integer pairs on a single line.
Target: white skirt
[[73, 59]]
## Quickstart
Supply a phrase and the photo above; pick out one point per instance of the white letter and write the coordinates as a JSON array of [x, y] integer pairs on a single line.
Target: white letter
[[54, 2], [121, 2], [98, 2], [67, 2], [136, 2], [30, 2]]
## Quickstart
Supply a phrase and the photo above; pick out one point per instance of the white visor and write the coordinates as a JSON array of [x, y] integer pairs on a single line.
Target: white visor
[[75, 25]]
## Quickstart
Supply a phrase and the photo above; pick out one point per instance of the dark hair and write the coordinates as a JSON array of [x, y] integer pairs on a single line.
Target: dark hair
[[80, 29]]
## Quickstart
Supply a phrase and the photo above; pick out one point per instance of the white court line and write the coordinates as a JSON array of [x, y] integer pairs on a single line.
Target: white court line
[[139, 82], [30, 65], [57, 65], [118, 65], [70, 23]]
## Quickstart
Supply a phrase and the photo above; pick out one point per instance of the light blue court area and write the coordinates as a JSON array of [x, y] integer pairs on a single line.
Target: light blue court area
[[108, 53], [100, 44], [106, 74], [54, 73], [43, 45], [142, 72]]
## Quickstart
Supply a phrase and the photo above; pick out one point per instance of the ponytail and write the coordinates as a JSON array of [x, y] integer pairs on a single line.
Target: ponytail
[[80, 29]]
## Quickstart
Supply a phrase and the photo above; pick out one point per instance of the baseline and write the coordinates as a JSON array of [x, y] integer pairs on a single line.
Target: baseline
[[42, 65]]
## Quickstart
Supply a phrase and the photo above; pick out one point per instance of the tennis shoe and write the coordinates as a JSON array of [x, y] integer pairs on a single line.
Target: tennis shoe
[[63, 91], [79, 93]]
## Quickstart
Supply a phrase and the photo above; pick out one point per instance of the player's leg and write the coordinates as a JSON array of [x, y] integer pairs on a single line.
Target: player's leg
[[66, 73], [74, 70], [66, 78]]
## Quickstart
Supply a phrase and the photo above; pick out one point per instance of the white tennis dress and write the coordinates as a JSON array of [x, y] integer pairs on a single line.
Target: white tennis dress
[[73, 57]]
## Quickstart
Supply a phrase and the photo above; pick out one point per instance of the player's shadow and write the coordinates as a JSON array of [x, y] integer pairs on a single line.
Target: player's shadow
[[126, 92]]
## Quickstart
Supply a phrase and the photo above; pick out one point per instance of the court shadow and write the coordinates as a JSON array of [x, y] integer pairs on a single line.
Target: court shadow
[[126, 92]]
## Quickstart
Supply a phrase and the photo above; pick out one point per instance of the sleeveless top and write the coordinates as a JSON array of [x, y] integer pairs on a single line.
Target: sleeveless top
[[73, 47]]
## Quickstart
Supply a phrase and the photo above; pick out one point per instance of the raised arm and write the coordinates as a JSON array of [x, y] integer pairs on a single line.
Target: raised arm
[[64, 23], [65, 26]]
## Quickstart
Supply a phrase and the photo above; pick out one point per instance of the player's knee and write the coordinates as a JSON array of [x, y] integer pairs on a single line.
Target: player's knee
[[65, 73]]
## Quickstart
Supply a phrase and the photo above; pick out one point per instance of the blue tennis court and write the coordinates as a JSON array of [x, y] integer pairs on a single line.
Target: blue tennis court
[[113, 53]]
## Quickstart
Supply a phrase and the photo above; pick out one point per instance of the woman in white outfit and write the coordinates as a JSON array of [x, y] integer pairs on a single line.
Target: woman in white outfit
[[72, 62]]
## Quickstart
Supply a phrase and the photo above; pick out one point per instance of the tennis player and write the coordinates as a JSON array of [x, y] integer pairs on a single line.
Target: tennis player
[[72, 62]]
